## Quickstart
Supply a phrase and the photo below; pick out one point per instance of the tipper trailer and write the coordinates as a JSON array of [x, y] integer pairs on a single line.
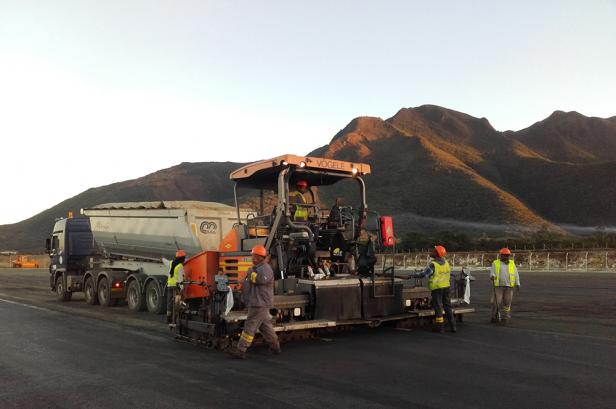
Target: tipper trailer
[[114, 251]]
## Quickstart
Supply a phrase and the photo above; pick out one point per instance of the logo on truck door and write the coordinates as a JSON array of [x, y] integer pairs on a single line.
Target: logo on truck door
[[208, 227]]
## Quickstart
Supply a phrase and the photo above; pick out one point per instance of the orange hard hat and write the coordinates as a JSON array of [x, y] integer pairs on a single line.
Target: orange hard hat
[[301, 183], [259, 250], [440, 251], [505, 251], [180, 253]]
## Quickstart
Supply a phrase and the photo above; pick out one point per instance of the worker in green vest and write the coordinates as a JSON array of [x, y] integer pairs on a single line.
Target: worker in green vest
[[438, 272], [174, 280], [505, 277]]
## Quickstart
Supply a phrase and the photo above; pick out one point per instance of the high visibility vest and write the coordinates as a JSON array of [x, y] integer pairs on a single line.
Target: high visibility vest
[[441, 276], [497, 266], [172, 278], [301, 212]]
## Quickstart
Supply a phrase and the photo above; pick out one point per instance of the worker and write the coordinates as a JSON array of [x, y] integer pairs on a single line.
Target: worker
[[258, 292], [438, 272], [505, 277], [366, 253], [300, 201], [174, 280]]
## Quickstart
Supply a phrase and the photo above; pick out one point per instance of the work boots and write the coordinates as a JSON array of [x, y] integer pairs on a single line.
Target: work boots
[[275, 349], [236, 353], [439, 328]]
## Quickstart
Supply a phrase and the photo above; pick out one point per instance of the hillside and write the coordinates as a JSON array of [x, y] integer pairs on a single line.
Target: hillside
[[433, 168]]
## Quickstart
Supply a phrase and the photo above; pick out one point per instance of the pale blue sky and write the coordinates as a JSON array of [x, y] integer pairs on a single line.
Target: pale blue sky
[[128, 87]]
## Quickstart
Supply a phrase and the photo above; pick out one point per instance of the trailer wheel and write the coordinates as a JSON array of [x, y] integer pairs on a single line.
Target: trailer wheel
[[154, 298], [104, 294], [62, 295], [134, 297], [89, 292]]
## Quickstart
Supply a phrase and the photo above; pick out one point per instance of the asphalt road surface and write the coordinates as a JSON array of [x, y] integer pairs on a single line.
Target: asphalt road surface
[[558, 352]]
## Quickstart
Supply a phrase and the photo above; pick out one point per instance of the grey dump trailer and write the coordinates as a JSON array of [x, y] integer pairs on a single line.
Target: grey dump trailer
[[114, 251]]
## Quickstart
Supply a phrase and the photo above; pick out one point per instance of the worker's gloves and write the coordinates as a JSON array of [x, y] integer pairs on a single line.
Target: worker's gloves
[[517, 287], [492, 278], [253, 277]]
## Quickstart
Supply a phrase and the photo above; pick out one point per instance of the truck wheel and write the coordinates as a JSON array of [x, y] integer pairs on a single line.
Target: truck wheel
[[134, 297], [104, 294], [62, 295], [154, 298], [89, 292]]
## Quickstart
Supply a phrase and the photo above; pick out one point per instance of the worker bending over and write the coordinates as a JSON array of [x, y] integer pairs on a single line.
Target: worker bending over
[[258, 293], [174, 280], [438, 272], [505, 277]]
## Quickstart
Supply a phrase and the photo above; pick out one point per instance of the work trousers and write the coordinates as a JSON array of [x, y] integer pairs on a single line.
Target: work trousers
[[171, 293], [502, 302], [260, 319], [441, 302]]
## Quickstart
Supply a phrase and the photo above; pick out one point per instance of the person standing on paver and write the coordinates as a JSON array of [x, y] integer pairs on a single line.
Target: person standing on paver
[[505, 277], [258, 293], [439, 277]]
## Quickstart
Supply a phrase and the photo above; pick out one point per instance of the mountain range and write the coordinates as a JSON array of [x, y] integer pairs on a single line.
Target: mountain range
[[433, 168]]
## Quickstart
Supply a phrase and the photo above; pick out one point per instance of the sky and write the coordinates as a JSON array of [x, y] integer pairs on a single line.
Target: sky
[[95, 92]]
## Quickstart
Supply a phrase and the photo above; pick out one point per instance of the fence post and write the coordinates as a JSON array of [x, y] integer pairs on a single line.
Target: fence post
[[481, 259], [416, 260], [586, 261], [606, 265], [548, 263], [566, 261], [404, 262], [530, 261], [453, 262]]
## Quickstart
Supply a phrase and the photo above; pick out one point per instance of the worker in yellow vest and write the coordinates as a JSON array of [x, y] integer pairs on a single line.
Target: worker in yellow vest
[[298, 199], [505, 277], [438, 272], [174, 280]]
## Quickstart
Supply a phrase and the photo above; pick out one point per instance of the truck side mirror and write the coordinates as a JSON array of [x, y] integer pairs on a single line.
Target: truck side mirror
[[48, 245]]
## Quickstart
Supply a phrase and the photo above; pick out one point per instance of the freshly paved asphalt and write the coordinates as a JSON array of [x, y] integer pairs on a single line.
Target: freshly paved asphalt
[[559, 352]]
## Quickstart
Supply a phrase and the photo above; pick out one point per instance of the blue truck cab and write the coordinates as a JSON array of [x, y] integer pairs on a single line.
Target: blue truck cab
[[71, 248]]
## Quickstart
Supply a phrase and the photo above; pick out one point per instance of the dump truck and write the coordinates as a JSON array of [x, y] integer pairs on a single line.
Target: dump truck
[[114, 251], [325, 277]]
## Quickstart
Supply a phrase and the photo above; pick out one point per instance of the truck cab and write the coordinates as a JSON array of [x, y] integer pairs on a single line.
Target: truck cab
[[70, 248]]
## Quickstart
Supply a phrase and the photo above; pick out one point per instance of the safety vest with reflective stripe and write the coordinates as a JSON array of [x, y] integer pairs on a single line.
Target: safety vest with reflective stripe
[[441, 276], [172, 278], [497, 266], [301, 212]]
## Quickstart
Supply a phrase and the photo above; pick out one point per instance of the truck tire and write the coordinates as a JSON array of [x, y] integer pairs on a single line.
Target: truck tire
[[104, 293], [135, 297], [154, 298], [62, 295], [89, 292]]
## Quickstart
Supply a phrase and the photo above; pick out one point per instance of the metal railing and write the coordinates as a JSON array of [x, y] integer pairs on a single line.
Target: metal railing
[[592, 260]]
